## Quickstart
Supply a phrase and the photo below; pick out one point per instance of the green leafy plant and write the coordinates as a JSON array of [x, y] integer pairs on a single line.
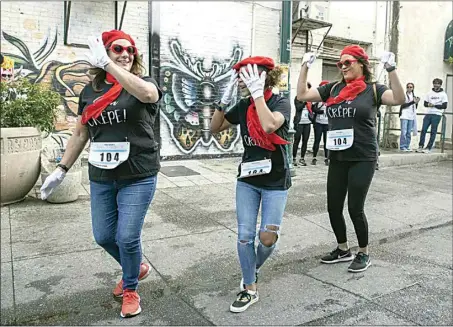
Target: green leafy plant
[[24, 104]]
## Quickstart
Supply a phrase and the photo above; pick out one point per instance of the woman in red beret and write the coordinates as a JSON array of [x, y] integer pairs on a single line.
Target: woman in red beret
[[351, 140], [263, 176], [320, 126], [116, 113]]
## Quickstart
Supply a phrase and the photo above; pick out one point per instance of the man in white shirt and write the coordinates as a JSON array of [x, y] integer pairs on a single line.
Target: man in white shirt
[[408, 118], [436, 101]]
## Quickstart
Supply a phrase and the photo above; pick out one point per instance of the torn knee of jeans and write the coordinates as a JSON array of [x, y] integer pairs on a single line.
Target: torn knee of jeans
[[272, 228], [269, 235]]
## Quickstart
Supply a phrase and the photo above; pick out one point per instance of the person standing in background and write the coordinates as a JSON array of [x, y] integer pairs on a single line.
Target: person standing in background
[[302, 124], [321, 126], [408, 118], [436, 101]]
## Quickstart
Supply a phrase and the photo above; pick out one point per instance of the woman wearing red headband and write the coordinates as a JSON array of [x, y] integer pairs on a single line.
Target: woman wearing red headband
[[320, 126], [263, 176], [116, 112], [351, 109]]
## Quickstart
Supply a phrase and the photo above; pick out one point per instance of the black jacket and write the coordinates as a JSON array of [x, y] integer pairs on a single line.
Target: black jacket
[[300, 105]]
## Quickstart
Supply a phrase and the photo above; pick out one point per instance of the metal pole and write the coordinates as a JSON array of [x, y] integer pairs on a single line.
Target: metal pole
[[285, 58]]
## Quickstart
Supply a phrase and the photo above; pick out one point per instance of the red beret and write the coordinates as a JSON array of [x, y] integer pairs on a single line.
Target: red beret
[[259, 61], [324, 83], [113, 35], [355, 51]]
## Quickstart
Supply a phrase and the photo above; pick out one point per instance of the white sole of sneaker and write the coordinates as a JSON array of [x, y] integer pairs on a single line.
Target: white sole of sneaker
[[245, 307], [130, 315], [345, 259], [359, 270]]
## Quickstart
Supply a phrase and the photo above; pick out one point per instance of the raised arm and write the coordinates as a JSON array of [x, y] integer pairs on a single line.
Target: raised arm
[[303, 92]]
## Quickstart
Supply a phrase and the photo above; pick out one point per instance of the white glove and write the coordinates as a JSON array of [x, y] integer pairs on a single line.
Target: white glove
[[253, 80], [309, 58], [232, 85], [389, 59], [51, 182], [98, 57]]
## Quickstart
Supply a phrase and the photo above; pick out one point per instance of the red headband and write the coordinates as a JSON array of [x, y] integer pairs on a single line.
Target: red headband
[[355, 51], [259, 61], [324, 83], [113, 35]]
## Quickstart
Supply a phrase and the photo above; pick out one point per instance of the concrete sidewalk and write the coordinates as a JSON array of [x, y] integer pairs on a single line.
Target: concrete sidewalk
[[53, 273]]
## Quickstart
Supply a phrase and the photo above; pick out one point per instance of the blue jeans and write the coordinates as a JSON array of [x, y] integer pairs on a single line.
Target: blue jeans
[[405, 138], [248, 200], [433, 120], [118, 209]]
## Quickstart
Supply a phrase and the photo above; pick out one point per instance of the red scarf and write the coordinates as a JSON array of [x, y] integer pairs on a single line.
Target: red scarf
[[256, 131], [349, 92], [309, 107], [96, 108]]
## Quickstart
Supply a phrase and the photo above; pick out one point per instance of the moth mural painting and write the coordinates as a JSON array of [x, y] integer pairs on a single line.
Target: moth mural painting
[[68, 79], [190, 90]]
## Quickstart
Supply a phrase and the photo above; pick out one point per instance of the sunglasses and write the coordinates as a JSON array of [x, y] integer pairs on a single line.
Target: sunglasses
[[119, 49], [346, 63]]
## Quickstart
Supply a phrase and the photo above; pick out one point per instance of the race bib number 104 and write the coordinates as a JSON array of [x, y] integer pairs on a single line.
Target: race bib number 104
[[255, 168], [108, 155], [340, 139]]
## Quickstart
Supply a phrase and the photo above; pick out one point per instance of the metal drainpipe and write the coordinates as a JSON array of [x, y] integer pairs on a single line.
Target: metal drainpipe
[[285, 58]]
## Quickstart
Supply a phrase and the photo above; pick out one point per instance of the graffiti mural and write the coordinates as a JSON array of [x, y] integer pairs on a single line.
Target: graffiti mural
[[190, 90], [68, 79]]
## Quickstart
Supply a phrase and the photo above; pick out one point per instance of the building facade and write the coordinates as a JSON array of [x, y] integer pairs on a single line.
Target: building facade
[[190, 47]]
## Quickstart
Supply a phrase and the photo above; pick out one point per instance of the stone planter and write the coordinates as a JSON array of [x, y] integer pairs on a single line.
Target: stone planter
[[20, 162]]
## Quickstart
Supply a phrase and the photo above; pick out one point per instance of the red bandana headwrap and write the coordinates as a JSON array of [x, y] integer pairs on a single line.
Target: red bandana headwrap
[[256, 131], [95, 109], [353, 87]]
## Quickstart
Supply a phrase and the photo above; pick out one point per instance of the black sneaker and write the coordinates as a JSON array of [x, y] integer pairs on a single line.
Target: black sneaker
[[244, 300], [242, 285], [326, 162], [361, 263], [313, 161], [294, 162], [302, 162], [337, 255]]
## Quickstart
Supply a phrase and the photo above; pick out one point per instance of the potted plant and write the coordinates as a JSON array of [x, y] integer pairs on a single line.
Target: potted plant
[[27, 110]]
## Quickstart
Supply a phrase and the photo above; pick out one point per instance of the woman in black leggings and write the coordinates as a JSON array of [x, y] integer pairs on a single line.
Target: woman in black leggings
[[302, 126], [351, 140]]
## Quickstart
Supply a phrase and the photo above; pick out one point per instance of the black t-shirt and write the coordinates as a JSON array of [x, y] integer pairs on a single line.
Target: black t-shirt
[[359, 114], [279, 178], [125, 120]]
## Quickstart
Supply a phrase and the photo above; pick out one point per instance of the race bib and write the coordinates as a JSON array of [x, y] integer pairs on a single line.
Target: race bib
[[255, 168], [304, 119], [341, 139], [108, 155]]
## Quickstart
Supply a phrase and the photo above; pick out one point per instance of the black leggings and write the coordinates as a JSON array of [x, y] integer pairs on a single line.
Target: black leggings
[[354, 178], [302, 132], [320, 130]]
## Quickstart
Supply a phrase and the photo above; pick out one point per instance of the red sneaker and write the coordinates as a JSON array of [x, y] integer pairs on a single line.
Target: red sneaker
[[131, 304], [144, 272]]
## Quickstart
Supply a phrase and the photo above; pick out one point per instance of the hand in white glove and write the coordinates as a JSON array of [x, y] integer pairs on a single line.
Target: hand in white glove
[[388, 59], [232, 85], [51, 182], [309, 58], [253, 80], [98, 57]]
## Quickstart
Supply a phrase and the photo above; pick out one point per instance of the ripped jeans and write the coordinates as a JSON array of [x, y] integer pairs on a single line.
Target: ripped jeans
[[248, 200]]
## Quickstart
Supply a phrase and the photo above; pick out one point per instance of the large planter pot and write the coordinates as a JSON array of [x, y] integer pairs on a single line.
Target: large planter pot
[[68, 190], [20, 162]]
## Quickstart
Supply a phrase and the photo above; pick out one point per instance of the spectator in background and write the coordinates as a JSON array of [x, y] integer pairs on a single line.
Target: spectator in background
[[408, 118], [302, 125], [436, 101]]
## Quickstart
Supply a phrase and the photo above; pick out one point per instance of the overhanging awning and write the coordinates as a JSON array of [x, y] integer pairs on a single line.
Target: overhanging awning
[[306, 24]]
